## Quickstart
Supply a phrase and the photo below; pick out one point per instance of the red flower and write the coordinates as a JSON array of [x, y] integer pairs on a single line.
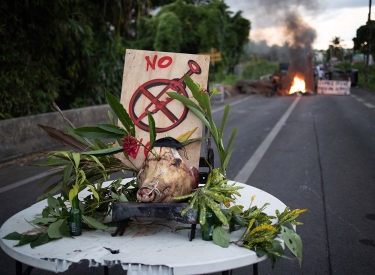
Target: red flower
[[130, 146]]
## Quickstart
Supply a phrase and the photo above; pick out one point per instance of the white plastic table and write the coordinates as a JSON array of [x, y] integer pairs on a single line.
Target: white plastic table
[[150, 248]]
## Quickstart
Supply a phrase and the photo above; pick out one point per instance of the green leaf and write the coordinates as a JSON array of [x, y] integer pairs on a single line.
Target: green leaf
[[189, 141], [236, 209], [67, 172], [73, 193], [111, 118], [53, 162], [42, 239], [58, 229], [152, 130], [95, 132], [207, 105], [100, 144], [201, 117], [77, 159], [64, 229], [14, 236], [237, 220], [260, 253], [293, 242], [275, 253], [97, 162], [224, 120], [70, 131], [25, 239], [220, 237], [43, 221], [94, 223], [103, 152], [112, 128], [194, 89], [94, 192], [227, 158], [53, 204], [123, 198], [83, 177], [120, 112], [216, 209], [184, 100], [234, 132]]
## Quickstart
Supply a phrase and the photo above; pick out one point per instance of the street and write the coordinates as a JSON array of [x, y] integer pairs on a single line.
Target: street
[[321, 158]]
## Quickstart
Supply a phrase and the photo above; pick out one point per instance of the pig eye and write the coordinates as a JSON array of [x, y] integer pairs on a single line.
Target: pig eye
[[177, 162]]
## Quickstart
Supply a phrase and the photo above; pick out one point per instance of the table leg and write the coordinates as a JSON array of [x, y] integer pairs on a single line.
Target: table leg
[[19, 269], [255, 269], [192, 232]]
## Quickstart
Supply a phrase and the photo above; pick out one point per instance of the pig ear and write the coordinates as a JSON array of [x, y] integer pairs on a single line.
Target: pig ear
[[168, 142]]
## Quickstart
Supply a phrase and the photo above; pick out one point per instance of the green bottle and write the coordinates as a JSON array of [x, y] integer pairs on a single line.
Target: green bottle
[[209, 225], [75, 218]]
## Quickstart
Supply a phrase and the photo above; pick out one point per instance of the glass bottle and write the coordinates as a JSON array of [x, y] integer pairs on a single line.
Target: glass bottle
[[209, 226], [75, 218]]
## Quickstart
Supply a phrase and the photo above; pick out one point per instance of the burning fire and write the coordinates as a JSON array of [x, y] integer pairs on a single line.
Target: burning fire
[[297, 86]]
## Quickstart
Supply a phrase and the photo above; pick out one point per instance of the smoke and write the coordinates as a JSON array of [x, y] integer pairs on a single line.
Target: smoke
[[286, 16]]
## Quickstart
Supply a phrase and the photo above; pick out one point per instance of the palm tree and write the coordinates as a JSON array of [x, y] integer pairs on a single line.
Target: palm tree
[[336, 48]]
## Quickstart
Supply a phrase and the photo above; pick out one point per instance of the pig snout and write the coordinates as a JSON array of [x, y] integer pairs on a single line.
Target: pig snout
[[146, 194]]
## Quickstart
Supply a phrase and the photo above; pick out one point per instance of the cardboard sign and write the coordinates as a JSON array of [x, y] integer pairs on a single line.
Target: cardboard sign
[[334, 87], [148, 76]]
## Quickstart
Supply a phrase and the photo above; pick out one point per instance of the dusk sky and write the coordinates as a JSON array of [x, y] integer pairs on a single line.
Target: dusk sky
[[329, 18]]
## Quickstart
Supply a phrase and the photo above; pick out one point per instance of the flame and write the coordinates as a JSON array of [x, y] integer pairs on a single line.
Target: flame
[[298, 85]]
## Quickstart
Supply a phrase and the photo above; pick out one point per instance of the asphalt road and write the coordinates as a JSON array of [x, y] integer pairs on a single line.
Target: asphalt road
[[322, 158]]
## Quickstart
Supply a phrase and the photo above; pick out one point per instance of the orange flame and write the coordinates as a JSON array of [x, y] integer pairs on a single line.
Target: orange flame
[[298, 85]]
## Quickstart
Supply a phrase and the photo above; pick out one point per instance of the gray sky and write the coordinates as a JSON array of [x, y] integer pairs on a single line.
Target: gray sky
[[328, 18]]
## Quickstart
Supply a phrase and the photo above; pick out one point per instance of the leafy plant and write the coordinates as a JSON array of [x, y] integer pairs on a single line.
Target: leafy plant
[[216, 190], [260, 234], [203, 111]]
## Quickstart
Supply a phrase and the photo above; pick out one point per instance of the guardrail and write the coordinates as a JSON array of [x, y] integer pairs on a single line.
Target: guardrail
[[21, 136]]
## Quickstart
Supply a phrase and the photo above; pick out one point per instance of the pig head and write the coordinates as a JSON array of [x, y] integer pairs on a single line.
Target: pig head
[[162, 178]]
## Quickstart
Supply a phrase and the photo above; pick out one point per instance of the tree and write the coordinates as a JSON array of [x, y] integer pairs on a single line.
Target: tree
[[196, 29], [68, 51], [360, 41], [63, 51], [335, 49]]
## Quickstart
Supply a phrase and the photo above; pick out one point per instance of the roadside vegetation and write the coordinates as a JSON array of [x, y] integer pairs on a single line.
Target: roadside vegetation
[[70, 51]]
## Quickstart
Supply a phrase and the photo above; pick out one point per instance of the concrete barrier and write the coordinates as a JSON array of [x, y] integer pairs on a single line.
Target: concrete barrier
[[22, 136]]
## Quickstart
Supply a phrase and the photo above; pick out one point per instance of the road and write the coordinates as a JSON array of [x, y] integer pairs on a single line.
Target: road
[[315, 152]]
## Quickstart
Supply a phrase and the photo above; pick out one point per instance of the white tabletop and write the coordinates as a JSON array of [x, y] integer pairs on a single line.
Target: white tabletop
[[154, 248]]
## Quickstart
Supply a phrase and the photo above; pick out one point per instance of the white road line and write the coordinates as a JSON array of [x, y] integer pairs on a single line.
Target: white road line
[[231, 104], [252, 163], [23, 182], [369, 105], [359, 99]]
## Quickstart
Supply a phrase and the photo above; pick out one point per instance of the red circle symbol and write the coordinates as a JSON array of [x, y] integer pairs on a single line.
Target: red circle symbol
[[159, 102]]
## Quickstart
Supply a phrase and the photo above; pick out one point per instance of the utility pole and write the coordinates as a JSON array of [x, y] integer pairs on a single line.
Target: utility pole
[[368, 42]]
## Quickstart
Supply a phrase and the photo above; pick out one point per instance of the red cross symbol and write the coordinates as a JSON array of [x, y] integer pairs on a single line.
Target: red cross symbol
[[157, 104]]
